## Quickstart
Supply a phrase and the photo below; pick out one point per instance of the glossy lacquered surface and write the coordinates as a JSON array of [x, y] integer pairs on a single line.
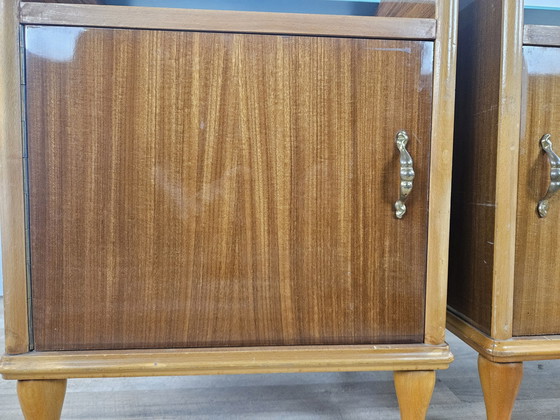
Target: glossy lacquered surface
[[537, 269], [199, 189]]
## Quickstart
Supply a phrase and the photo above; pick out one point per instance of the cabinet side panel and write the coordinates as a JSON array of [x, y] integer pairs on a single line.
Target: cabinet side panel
[[537, 256], [11, 177], [210, 189], [474, 165]]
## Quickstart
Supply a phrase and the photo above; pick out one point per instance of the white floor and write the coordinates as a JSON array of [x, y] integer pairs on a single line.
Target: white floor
[[294, 396]]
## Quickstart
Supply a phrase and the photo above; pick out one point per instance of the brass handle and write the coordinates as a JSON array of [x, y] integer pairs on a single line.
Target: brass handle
[[406, 173], [554, 186]]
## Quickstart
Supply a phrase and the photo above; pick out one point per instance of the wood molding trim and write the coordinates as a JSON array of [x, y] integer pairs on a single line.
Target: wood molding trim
[[507, 164], [227, 21], [518, 349], [12, 184], [440, 170], [97, 364]]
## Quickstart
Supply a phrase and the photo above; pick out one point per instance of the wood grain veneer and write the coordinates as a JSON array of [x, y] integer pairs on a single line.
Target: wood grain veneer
[[11, 180], [220, 189], [473, 203], [227, 21], [537, 267], [411, 9]]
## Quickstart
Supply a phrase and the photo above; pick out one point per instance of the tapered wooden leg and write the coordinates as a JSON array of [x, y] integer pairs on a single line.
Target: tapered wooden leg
[[41, 400], [414, 392], [500, 384]]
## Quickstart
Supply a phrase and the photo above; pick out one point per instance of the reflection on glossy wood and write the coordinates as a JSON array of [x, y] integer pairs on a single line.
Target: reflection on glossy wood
[[220, 189], [537, 269]]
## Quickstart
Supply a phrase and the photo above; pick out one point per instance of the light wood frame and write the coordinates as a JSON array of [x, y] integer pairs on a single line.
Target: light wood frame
[[97, 364], [440, 169], [11, 176], [518, 349], [507, 168], [22, 363]]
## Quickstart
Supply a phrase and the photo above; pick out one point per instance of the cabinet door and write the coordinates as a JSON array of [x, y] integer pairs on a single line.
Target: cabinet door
[[209, 189], [537, 266]]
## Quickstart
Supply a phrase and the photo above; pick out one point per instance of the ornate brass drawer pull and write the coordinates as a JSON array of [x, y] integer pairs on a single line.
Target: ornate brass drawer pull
[[406, 173], [554, 186]]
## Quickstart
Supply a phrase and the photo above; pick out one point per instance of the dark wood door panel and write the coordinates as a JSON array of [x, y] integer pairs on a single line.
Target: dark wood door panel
[[205, 189], [537, 257]]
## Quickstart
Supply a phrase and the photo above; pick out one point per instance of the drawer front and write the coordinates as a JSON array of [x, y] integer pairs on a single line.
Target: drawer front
[[207, 189], [537, 265]]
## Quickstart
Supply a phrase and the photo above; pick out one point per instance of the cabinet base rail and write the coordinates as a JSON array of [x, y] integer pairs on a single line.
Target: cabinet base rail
[[516, 349], [127, 363]]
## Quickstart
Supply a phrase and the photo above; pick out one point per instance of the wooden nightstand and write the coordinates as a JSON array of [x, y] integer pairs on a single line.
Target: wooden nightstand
[[504, 291], [213, 192]]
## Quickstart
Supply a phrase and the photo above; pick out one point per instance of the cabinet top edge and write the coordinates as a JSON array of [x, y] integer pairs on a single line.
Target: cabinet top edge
[[131, 17], [541, 35]]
